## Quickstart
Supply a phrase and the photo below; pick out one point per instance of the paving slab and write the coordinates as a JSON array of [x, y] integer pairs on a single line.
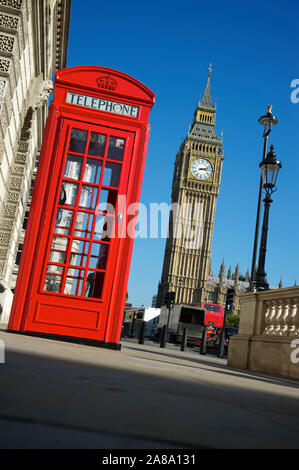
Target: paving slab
[[57, 394]]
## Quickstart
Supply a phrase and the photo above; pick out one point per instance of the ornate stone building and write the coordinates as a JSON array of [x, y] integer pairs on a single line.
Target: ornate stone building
[[33, 45], [195, 188], [217, 287]]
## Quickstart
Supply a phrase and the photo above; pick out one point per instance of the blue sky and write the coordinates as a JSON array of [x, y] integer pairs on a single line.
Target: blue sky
[[168, 46]]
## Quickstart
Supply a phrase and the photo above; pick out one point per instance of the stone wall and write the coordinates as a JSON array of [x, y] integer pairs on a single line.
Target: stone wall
[[268, 339]]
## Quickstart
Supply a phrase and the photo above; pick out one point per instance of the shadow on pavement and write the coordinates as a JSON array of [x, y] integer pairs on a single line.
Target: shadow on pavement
[[116, 399]]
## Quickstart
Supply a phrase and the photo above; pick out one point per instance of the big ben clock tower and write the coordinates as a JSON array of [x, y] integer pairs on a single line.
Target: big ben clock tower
[[196, 183]]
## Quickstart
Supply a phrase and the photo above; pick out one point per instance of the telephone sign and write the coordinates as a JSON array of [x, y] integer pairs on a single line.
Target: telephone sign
[[102, 105], [76, 256]]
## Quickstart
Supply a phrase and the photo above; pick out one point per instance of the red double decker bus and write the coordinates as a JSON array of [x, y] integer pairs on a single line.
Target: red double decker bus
[[214, 316]]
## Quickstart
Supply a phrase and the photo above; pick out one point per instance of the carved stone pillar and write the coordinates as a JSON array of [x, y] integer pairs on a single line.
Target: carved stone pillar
[[267, 307], [270, 316], [294, 318], [277, 318], [285, 317]]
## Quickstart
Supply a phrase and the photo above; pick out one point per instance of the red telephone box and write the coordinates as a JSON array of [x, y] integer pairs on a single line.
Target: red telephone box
[[75, 263]]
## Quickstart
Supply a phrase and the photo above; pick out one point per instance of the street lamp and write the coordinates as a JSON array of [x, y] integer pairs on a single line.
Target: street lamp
[[270, 167], [267, 121]]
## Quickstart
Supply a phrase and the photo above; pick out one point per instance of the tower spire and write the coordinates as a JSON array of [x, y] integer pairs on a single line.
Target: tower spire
[[206, 100], [222, 271], [237, 276]]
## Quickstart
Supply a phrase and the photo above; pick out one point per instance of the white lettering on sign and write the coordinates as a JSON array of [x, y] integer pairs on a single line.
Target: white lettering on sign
[[102, 105]]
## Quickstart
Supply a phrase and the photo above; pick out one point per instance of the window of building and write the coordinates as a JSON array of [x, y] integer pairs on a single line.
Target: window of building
[[31, 187], [24, 226], [19, 252]]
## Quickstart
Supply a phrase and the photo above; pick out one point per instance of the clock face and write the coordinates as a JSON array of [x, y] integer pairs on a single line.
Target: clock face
[[201, 169]]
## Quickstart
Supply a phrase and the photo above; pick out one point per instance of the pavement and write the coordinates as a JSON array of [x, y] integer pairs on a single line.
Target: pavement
[[62, 395]]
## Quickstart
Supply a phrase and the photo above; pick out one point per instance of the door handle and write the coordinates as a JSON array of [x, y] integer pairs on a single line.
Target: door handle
[[119, 218]]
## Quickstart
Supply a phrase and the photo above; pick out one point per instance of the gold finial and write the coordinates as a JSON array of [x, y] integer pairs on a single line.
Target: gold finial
[[269, 108]]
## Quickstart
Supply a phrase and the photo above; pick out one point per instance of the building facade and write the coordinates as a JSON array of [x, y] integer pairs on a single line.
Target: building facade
[[195, 187], [33, 45], [217, 288]]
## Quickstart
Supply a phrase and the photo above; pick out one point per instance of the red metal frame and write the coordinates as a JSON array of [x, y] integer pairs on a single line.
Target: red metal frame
[[35, 308]]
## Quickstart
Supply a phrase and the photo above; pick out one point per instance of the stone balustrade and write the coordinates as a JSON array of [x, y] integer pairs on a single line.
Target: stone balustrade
[[268, 333], [281, 312]]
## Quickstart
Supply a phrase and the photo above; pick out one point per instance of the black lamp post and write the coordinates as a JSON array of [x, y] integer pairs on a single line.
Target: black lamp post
[[270, 167], [267, 121]]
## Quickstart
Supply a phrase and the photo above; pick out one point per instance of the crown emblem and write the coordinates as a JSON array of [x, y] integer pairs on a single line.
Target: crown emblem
[[107, 82]]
